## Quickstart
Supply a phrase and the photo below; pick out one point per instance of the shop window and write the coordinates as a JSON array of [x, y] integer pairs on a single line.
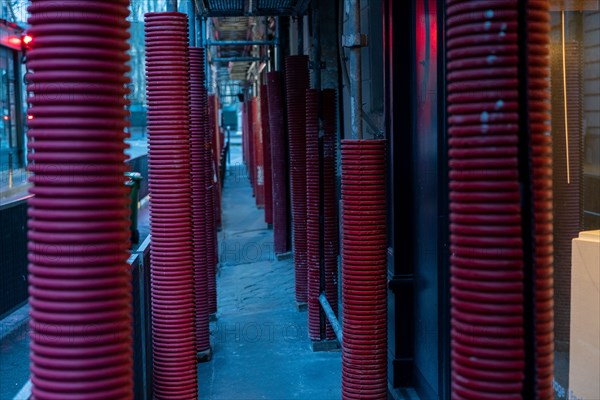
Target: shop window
[[12, 141], [575, 85]]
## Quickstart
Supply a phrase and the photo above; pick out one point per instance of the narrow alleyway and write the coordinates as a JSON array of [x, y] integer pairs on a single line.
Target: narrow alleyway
[[260, 343]]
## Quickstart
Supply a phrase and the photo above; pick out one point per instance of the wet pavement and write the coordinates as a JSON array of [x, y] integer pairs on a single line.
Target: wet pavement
[[260, 342]]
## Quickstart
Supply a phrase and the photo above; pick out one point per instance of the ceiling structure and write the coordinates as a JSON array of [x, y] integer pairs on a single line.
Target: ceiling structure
[[230, 64], [233, 29], [221, 8], [234, 65]]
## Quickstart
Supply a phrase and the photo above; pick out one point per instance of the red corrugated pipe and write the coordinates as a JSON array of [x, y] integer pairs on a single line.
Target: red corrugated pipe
[[216, 156], [266, 134], [297, 82], [331, 239], [79, 282], [487, 258], [313, 213], [278, 163], [539, 125], [259, 172], [250, 137], [211, 222], [364, 270], [244, 140], [198, 115], [173, 321]]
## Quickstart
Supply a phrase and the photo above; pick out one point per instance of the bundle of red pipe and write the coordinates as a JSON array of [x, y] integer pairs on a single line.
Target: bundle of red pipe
[[244, 139], [79, 283], [266, 135], [313, 206], [538, 51], [278, 163], [257, 144], [251, 160], [211, 221], [198, 114], [215, 137], [331, 239], [364, 270], [296, 82], [173, 322], [487, 258]]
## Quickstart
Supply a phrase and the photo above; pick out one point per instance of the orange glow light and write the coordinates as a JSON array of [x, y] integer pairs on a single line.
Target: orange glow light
[[27, 39], [14, 41], [30, 117]]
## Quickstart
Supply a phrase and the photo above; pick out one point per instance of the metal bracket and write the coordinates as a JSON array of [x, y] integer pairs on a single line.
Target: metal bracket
[[402, 282], [355, 40], [313, 65]]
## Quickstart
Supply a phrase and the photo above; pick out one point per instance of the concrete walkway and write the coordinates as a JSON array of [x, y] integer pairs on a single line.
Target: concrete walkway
[[260, 343]]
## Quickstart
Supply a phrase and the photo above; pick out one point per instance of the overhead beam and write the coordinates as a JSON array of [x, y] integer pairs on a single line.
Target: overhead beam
[[261, 12], [236, 59], [241, 43]]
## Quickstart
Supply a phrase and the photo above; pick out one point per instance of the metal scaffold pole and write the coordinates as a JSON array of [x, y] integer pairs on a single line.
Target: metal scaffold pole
[[355, 40], [316, 47], [191, 12], [171, 5]]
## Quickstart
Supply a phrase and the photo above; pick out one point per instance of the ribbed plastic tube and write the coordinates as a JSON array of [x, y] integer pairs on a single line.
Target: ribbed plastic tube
[[266, 136], [198, 116], [173, 321], [79, 280], [250, 144], [244, 139], [313, 207], [364, 270], [211, 223], [541, 153], [278, 162], [487, 258], [257, 142], [331, 239], [215, 135], [297, 82]]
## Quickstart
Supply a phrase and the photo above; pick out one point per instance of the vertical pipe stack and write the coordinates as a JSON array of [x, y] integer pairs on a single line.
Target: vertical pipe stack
[[486, 246], [250, 137], [215, 137], [538, 20], [211, 226], [364, 270], [244, 140], [297, 81], [245, 144], [486, 203], [198, 115], [278, 163], [259, 172], [313, 218], [266, 134], [331, 239], [173, 325], [79, 283]]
